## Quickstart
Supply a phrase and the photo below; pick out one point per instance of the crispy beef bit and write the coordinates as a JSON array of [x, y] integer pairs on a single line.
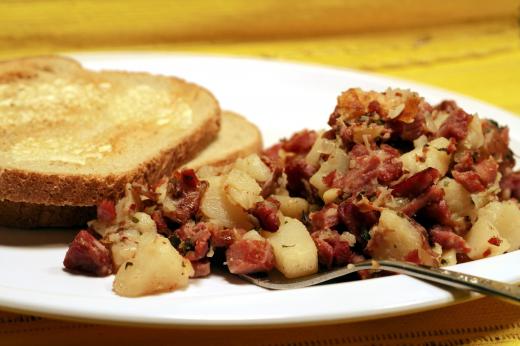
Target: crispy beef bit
[[465, 161], [301, 142], [87, 255], [495, 241], [487, 171], [362, 174], [332, 248], [375, 108], [201, 268], [267, 214], [412, 110], [192, 240], [106, 211], [448, 106], [186, 190], [496, 144], [298, 172], [456, 126], [411, 123], [510, 186], [250, 256], [470, 180], [224, 237], [416, 184], [448, 239], [333, 179], [269, 187], [136, 191], [272, 153], [473, 172], [408, 132], [325, 252], [160, 223], [391, 168], [345, 133], [326, 218], [342, 253], [433, 195], [357, 222], [349, 106], [438, 213], [413, 257], [329, 134]]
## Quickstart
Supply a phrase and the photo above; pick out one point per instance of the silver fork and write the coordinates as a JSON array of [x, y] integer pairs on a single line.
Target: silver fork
[[450, 278]]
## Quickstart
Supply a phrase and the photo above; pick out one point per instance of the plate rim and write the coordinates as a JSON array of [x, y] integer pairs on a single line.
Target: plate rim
[[254, 323]]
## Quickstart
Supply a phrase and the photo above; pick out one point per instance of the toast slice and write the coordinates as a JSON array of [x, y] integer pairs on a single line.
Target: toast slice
[[73, 137], [237, 138], [229, 145]]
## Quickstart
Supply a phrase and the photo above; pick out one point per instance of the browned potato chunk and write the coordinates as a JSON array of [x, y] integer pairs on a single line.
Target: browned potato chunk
[[156, 267], [337, 161], [216, 207], [395, 237], [496, 230], [242, 189], [293, 207], [254, 167], [294, 250], [432, 154]]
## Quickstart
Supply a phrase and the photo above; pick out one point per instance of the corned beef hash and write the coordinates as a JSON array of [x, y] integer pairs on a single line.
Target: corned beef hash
[[393, 177]]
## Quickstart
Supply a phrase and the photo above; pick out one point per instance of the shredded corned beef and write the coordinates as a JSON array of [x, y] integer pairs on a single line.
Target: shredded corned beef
[[343, 207]]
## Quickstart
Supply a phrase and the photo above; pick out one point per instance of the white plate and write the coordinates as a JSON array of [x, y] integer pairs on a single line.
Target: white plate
[[280, 98]]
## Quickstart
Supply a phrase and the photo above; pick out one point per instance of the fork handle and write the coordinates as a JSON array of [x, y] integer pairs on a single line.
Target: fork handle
[[478, 284]]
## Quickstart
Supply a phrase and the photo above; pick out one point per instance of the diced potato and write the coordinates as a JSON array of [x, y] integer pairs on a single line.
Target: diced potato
[[420, 142], [433, 154], [507, 221], [123, 206], [143, 223], [499, 221], [321, 146], [475, 137], [449, 257], [123, 245], [396, 237], [252, 235], [439, 117], [294, 250], [457, 197], [337, 161], [255, 167], [241, 189], [293, 207], [161, 190], [478, 239], [480, 199], [331, 195], [156, 267], [205, 172], [363, 133], [216, 207]]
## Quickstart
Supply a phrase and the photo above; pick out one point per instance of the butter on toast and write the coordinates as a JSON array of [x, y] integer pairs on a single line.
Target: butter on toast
[[237, 138], [73, 137]]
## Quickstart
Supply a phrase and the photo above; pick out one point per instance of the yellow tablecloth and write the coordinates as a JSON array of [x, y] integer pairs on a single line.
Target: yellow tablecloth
[[470, 46]]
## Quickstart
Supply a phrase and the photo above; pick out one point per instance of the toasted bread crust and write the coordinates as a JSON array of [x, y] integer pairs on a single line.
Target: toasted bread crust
[[29, 215], [88, 190], [253, 144], [25, 186]]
